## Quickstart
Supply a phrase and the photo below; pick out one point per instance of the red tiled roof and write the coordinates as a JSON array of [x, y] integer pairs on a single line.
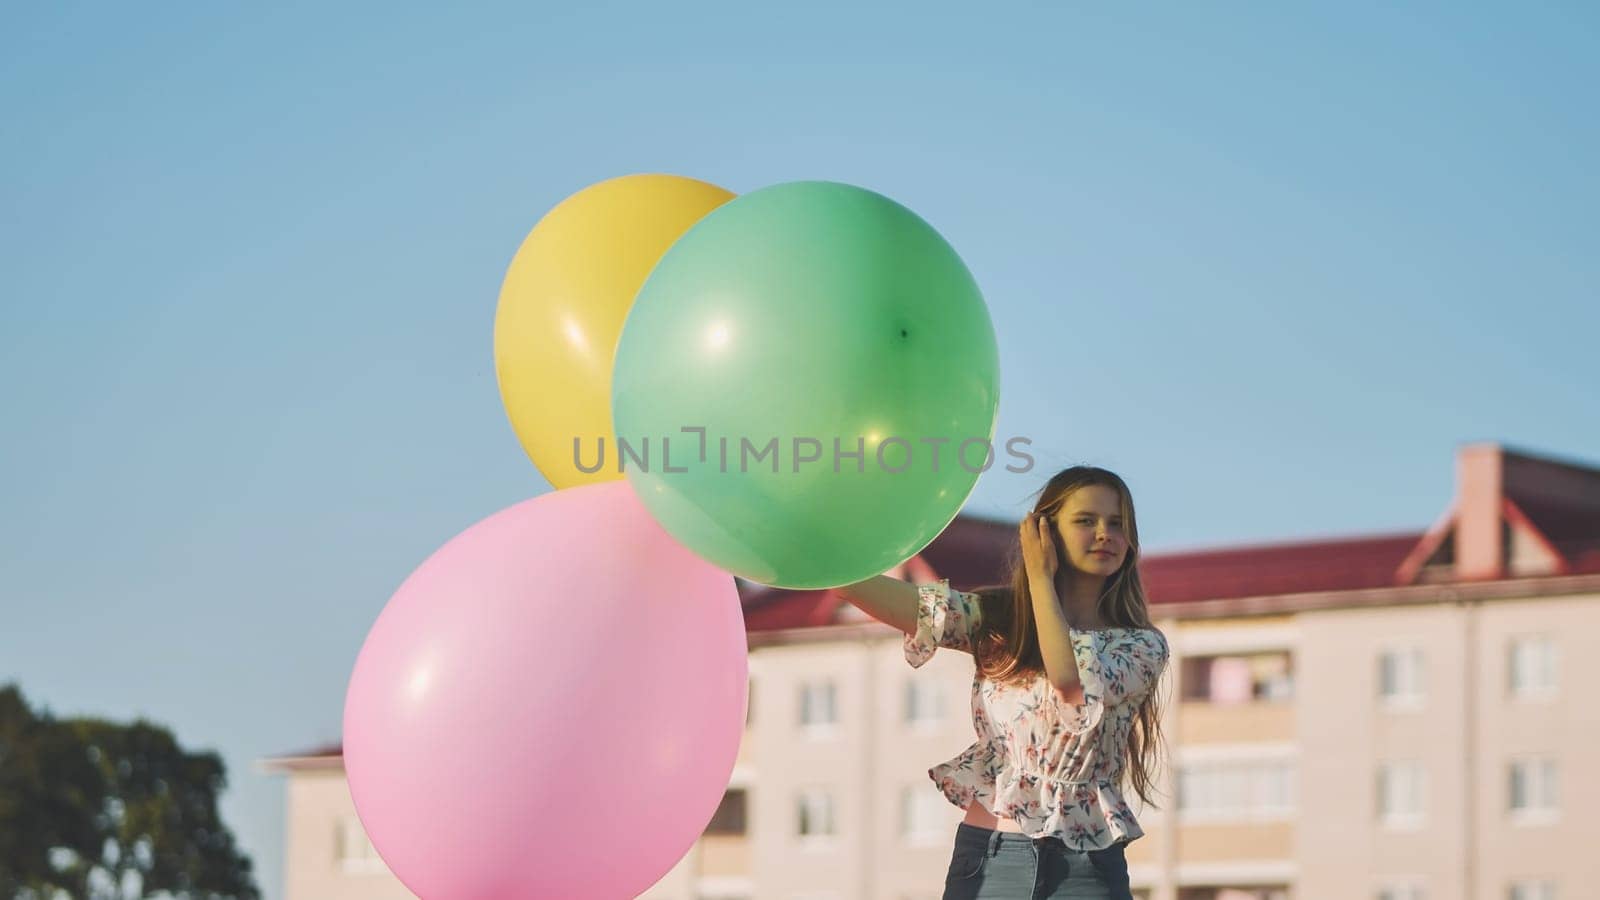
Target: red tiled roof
[[1562, 501], [1571, 529], [320, 757], [1307, 567], [971, 552], [324, 750], [1347, 564], [770, 609]]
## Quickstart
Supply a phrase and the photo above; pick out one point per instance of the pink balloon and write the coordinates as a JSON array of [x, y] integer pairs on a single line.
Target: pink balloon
[[550, 706]]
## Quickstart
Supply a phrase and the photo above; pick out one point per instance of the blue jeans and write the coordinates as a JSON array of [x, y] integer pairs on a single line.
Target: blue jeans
[[1004, 865]]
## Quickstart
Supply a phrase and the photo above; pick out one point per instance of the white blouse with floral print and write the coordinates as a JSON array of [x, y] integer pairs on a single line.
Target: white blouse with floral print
[[1052, 766]]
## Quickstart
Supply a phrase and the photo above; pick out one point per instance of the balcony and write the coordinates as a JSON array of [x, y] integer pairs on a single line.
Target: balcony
[[725, 845], [1241, 723], [1237, 699], [724, 856], [1235, 842]]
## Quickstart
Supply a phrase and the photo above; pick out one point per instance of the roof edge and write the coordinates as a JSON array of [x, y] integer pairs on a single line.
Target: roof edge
[[1289, 544], [280, 765]]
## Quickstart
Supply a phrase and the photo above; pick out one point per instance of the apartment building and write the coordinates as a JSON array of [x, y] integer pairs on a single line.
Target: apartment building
[[1395, 717]]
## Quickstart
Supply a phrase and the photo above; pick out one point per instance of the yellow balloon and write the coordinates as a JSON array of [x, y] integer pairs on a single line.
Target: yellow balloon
[[565, 297]]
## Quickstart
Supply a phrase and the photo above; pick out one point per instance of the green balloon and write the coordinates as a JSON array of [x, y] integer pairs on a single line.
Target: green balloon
[[788, 330]]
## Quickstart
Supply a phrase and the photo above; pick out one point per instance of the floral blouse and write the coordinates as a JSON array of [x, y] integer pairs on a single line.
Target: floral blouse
[[1052, 766]]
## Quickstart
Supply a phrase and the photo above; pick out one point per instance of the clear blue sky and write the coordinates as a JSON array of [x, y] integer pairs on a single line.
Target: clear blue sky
[[1273, 264]]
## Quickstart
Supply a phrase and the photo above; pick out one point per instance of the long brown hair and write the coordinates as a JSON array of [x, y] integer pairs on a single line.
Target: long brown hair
[[1008, 645]]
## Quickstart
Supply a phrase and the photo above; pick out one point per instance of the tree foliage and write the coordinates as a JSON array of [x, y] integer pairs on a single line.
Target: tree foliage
[[105, 811]]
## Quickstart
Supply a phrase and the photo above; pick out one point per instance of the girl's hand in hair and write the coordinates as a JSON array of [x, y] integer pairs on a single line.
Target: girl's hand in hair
[[1039, 548]]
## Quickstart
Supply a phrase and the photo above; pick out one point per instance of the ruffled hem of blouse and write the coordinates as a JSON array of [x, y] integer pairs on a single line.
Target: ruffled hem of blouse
[[1087, 815]]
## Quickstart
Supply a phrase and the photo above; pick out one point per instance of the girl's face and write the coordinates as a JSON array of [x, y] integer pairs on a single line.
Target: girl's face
[[1090, 528]]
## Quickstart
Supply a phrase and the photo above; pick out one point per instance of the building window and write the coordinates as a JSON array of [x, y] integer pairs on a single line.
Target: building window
[[357, 856], [1232, 791], [1400, 677], [1400, 794], [1401, 890], [924, 812], [925, 700], [1532, 890], [816, 813], [1533, 667], [1535, 789], [817, 705], [730, 815], [1256, 677]]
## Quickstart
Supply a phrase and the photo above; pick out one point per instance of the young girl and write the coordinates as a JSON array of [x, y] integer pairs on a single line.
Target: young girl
[[1063, 698]]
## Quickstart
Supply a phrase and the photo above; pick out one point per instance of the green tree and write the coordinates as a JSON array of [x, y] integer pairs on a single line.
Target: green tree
[[105, 811]]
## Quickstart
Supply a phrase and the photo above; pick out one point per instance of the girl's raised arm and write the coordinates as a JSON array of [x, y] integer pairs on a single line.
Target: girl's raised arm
[[889, 600]]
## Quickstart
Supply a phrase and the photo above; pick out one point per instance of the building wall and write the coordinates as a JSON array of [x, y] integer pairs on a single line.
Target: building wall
[[1345, 731], [1463, 732], [866, 761], [1322, 835], [328, 857], [1563, 725], [326, 854]]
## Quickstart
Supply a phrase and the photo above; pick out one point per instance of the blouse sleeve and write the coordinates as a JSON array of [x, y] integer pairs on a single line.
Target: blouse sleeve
[[945, 618], [1119, 665]]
